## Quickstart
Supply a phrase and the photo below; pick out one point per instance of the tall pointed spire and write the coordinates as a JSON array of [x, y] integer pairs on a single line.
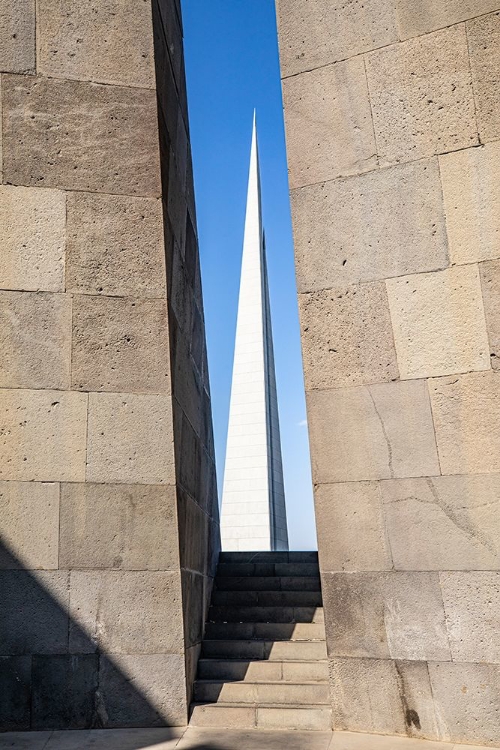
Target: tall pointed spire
[[253, 515]]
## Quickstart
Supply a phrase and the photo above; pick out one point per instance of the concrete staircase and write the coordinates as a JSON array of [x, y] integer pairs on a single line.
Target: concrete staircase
[[263, 661]]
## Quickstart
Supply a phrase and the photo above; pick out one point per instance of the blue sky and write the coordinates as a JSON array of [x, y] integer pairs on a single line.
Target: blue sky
[[232, 66]]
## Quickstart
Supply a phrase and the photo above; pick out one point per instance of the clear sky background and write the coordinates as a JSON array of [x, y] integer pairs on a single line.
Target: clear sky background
[[232, 66]]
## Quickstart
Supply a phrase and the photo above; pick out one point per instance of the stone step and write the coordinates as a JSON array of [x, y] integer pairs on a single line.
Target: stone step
[[268, 583], [265, 614], [312, 718], [268, 569], [258, 671], [264, 650], [272, 631], [267, 598], [280, 557], [303, 694]]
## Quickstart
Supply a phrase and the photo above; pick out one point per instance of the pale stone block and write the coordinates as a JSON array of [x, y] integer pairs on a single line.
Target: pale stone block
[[347, 337], [130, 439], [421, 96], [490, 282], [107, 42], [386, 223], [111, 739], [350, 523], [417, 18], [33, 232], [43, 436], [35, 340], [17, 36], [484, 48], [443, 523], [372, 432], [115, 246], [472, 203], [466, 412], [131, 527], [363, 741], [80, 136], [29, 525], [339, 139], [324, 31], [438, 321]]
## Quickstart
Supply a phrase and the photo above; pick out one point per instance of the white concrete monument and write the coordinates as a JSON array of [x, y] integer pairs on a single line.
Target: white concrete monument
[[253, 514]]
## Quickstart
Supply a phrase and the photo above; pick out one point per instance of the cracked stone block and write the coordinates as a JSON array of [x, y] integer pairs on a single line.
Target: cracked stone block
[[484, 48], [419, 18], [15, 689], [490, 281], [64, 688], [17, 36]]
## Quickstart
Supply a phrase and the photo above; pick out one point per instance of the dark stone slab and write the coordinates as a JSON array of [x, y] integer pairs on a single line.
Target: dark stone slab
[[64, 691], [15, 692]]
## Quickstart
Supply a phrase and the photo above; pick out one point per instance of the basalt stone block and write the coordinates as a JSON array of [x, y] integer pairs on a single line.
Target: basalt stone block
[[115, 127], [15, 689], [490, 283], [194, 606], [64, 691], [421, 96], [193, 525], [484, 48], [419, 18], [17, 36]]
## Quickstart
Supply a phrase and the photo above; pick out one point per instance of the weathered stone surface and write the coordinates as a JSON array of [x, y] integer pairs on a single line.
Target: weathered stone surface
[[472, 202], [372, 432], [490, 282], [194, 606], [466, 411], [115, 246], [17, 36], [193, 527], [130, 527], [338, 140], [30, 525], [125, 612], [438, 322], [421, 96], [130, 439], [324, 32], [419, 18], [80, 136], [43, 436], [381, 615], [15, 689], [33, 238], [346, 514], [347, 336], [386, 223], [64, 688], [35, 340], [484, 48], [443, 523], [107, 42], [120, 345]]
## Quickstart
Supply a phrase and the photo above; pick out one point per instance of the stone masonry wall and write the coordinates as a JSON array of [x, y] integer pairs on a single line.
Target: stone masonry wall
[[392, 111], [108, 507]]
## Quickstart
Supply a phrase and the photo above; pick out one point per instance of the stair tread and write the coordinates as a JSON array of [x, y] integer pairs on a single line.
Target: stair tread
[[225, 704], [253, 681], [223, 659]]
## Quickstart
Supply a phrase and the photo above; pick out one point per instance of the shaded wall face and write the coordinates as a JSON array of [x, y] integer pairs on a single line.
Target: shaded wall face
[[107, 488], [392, 121]]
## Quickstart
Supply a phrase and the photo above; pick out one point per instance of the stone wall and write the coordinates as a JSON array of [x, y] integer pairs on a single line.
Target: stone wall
[[108, 507], [392, 111]]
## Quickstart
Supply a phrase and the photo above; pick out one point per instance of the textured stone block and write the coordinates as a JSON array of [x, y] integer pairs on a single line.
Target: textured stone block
[[80, 136], [419, 18], [338, 140], [484, 48], [131, 527], [35, 340], [381, 615], [372, 432], [347, 337], [64, 688], [108, 42], [466, 411], [120, 345], [438, 322], [33, 225], [29, 515], [490, 282], [443, 523], [17, 36], [193, 525], [44, 435], [421, 96], [194, 607], [324, 32], [130, 439], [115, 246], [386, 223], [472, 203], [15, 689], [346, 513], [125, 612]]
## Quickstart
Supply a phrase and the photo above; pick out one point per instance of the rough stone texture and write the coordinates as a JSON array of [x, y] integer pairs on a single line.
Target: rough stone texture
[[472, 203], [386, 223], [120, 345], [90, 42], [15, 688], [372, 432], [130, 527], [466, 411], [33, 238], [43, 435], [347, 337], [421, 96], [438, 322], [323, 32], [35, 340], [117, 146], [419, 18], [483, 36], [115, 246], [490, 282], [30, 525], [63, 691], [338, 140], [17, 36]]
